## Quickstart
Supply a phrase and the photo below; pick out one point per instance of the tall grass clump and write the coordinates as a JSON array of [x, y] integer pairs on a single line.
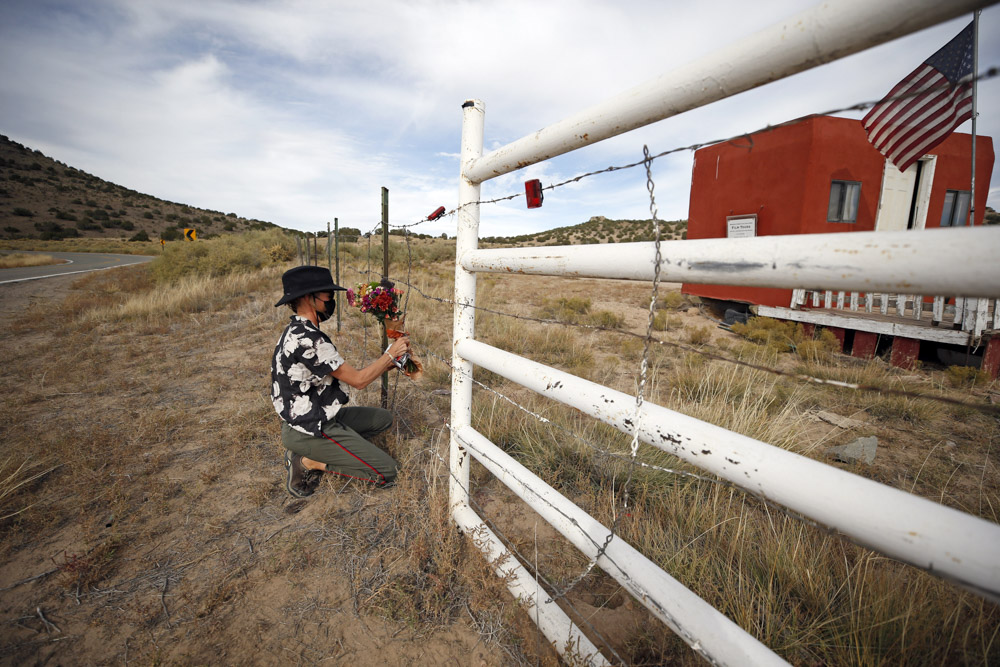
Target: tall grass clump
[[20, 259], [780, 336]]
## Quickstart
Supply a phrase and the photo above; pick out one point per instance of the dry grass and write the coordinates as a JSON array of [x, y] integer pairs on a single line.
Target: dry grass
[[22, 259], [167, 517], [119, 246]]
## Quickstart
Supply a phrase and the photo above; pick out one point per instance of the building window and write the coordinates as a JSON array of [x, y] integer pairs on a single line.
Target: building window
[[956, 208], [844, 196]]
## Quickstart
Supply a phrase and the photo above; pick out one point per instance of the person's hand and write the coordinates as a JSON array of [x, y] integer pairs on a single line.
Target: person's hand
[[399, 347]]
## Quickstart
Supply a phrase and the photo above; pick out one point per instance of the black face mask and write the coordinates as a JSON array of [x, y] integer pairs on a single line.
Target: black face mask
[[331, 305]]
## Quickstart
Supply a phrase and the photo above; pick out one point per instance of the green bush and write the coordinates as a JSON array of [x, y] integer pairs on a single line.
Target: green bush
[[171, 234], [23, 212], [141, 235]]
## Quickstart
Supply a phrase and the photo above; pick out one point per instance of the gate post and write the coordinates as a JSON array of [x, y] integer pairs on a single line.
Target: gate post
[[464, 323]]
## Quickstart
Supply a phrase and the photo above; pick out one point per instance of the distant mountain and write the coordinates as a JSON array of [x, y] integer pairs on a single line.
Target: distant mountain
[[44, 198], [596, 230]]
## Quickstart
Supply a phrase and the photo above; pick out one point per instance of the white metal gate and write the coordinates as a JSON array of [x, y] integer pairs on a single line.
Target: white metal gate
[[953, 545]]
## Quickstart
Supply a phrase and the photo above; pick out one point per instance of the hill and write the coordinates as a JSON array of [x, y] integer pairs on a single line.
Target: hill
[[44, 198], [596, 230]]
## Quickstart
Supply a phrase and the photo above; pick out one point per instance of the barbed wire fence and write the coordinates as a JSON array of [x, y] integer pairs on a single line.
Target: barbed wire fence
[[632, 458]]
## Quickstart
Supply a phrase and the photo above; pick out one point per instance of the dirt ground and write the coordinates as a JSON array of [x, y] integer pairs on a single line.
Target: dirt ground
[[201, 557], [163, 533]]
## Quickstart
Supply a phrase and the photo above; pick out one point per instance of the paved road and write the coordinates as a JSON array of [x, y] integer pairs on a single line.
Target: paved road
[[77, 262]]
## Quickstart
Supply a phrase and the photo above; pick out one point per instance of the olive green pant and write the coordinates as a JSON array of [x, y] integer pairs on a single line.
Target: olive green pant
[[345, 448]]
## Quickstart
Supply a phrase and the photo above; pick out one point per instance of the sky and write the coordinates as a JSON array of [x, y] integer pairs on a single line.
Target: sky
[[297, 112]]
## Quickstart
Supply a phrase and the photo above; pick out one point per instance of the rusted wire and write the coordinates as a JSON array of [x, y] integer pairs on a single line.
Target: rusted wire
[[985, 408]]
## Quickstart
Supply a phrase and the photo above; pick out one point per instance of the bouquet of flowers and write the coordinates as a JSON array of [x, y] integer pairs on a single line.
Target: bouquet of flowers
[[381, 299]]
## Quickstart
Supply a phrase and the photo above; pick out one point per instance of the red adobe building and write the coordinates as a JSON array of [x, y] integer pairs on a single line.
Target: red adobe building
[[821, 175]]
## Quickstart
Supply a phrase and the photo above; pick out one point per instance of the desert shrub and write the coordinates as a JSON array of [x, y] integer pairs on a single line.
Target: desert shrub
[[23, 212], [965, 376], [171, 234], [672, 301], [147, 215], [605, 318], [660, 321], [572, 309], [219, 257], [699, 335], [63, 215], [141, 235], [779, 335], [820, 348]]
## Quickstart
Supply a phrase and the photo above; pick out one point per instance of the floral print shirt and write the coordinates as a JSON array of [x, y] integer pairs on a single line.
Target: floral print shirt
[[303, 392]]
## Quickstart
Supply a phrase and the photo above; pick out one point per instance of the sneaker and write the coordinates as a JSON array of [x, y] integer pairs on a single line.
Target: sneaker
[[295, 481]]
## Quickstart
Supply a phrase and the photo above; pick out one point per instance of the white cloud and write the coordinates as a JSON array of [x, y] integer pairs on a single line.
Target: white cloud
[[296, 111]]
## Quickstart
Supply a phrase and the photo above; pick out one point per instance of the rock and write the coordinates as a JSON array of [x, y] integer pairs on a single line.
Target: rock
[[862, 449], [837, 420]]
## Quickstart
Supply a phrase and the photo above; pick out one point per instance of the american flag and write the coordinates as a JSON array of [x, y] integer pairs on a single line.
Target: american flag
[[924, 108]]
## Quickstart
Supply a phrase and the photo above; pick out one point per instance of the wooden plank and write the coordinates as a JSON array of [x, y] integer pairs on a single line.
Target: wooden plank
[[996, 313], [884, 305], [840, 300], [889, 328], [918, 306], [969, 316], [959, 312], [901, 305], [827, 298], [815, 299], [937, 313], [854, 301], [869, 302], [981, 318]]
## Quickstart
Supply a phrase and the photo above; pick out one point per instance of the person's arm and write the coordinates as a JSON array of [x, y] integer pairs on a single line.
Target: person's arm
[[361, 378]]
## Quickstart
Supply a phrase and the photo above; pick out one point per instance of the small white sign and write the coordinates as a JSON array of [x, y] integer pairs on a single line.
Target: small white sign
[[741, 226]]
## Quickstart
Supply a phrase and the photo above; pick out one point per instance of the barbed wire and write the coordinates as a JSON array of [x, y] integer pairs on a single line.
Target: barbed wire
[[985, 75], [985, 408], [648, 338]]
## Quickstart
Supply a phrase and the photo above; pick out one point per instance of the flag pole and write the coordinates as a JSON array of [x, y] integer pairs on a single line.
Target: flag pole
[[975, 86]]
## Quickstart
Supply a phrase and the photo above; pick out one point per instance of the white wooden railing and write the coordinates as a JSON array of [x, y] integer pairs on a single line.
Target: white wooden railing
[[972, 315], [947, 542]]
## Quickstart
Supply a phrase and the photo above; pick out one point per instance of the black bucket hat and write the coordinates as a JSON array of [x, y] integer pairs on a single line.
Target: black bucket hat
[[304, 280]]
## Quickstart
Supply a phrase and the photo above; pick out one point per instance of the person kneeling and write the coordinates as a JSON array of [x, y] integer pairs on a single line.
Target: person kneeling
[[309, 382]]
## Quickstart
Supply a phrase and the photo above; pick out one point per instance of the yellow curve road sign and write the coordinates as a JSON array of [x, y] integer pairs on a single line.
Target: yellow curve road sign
[[190, 234]]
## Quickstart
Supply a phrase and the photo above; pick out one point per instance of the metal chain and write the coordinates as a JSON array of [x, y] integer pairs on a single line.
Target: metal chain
[[643, 372]]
